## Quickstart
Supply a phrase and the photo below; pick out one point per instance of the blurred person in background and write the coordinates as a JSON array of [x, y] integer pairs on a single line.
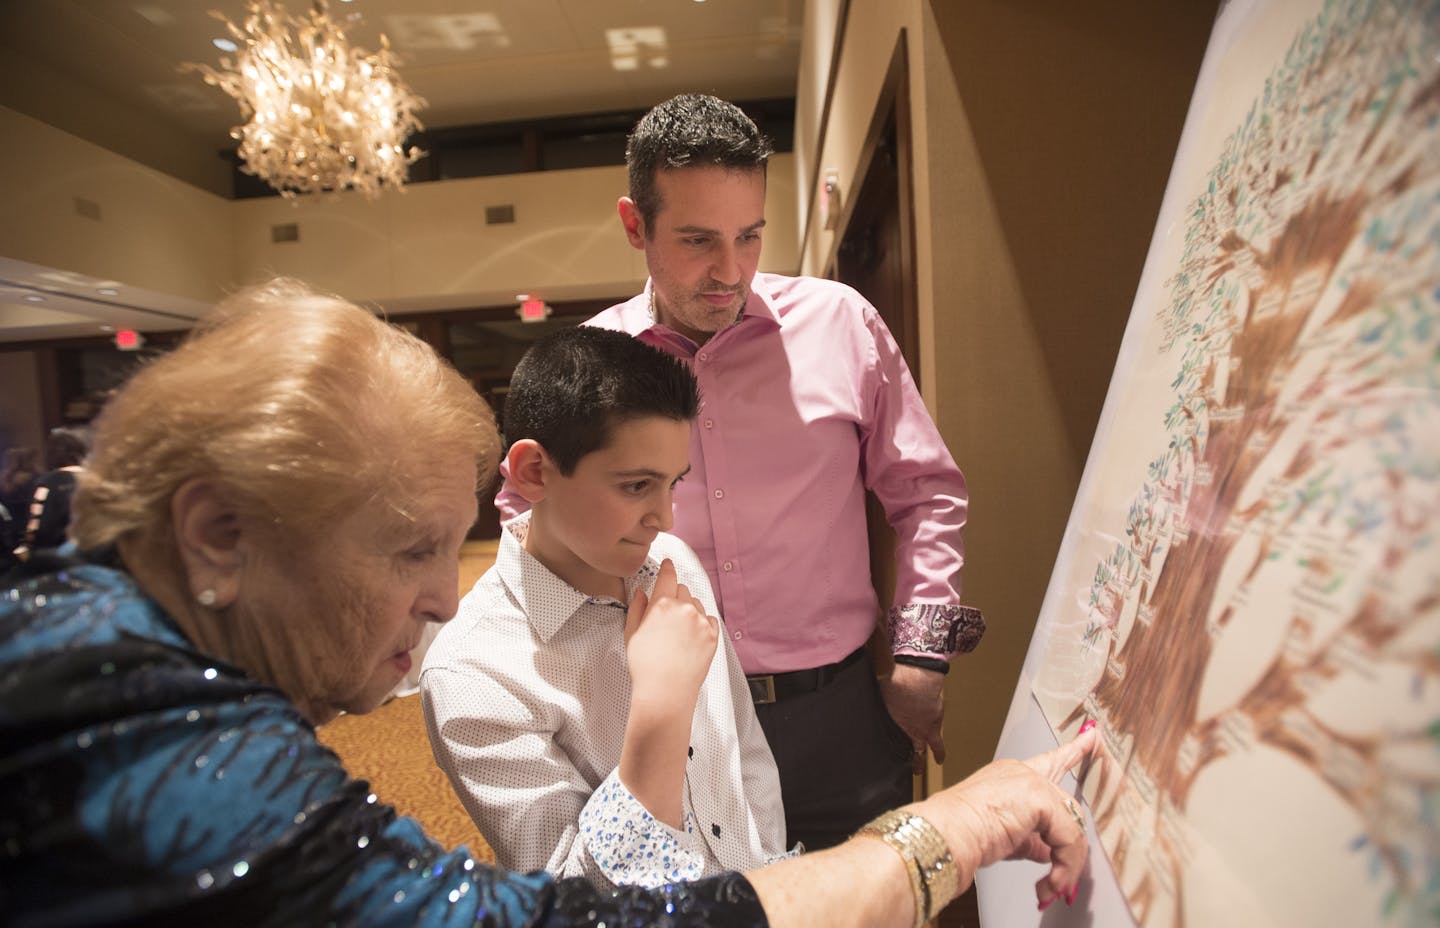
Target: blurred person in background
[[47, 516], [20, 467]]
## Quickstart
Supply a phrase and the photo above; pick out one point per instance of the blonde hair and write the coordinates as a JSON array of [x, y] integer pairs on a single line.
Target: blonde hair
[[298, 404]]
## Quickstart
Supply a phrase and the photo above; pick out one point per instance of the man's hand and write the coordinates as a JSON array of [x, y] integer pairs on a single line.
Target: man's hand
[[915, 698]]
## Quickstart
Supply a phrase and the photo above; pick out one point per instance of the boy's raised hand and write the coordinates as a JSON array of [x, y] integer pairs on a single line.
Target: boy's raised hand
[[669, 641]]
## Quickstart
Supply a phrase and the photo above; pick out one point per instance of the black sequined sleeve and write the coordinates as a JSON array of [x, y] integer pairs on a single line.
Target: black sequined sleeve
[[727, 900]]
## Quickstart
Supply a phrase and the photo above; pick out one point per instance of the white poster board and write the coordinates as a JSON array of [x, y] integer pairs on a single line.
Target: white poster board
[[1247, 596]]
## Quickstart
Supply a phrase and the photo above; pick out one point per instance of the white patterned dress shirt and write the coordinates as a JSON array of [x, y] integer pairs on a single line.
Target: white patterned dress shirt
[[526, 695]]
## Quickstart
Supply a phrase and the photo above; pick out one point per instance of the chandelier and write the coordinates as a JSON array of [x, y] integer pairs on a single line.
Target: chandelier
[[320, 114]]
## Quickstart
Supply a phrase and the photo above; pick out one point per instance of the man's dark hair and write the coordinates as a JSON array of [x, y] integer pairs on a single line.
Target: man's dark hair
[[690, 130], [575, 386]]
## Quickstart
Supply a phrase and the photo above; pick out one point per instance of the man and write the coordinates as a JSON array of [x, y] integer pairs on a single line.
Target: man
[[806, 403]]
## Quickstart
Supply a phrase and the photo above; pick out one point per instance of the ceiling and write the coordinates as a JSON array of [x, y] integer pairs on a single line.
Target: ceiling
[[100, 68]]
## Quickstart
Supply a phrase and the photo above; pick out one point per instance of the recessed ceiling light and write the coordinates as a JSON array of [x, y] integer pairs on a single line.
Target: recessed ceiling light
[[108, 291], [32, 298], [107, 328], [156, 15], [224, 44]]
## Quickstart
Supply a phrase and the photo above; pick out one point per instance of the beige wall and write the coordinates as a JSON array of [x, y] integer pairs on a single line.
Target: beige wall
[[426, 247], [1043, 135], [153, 232]]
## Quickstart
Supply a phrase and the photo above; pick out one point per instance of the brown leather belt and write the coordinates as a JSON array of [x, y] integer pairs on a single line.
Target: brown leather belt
[[766, 688]]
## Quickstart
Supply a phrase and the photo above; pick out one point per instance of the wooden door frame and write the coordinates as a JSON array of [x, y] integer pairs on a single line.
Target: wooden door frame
[[893, 101], [892, 107]]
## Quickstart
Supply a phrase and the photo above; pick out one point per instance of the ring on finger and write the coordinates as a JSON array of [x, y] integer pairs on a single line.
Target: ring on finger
[[1075, 813]]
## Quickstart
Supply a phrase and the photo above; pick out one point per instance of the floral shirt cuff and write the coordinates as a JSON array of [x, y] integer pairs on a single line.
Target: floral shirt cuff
[[931, 629], [632, 847]]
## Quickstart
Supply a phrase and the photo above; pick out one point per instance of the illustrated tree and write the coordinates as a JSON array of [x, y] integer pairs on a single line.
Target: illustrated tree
[[1303, 443]]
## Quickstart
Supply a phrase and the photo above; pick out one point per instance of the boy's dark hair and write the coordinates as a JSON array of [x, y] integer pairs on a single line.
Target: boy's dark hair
[[692, 129], [574, 386]]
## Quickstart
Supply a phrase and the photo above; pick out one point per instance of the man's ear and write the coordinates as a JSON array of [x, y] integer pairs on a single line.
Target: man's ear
[[211, 542], [528, 464], [633, 222]]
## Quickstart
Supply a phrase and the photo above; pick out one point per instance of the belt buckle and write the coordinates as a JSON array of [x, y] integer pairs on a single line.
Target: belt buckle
[[762, 689]]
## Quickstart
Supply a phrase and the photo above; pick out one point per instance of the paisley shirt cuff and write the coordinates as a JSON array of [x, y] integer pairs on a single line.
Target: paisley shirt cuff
[[934, 629], [632, 847]]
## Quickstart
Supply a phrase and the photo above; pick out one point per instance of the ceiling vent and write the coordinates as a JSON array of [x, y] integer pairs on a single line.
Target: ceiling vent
[[499, 215], [285, 232]]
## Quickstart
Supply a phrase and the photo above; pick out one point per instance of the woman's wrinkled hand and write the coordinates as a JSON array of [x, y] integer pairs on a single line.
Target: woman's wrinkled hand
[[1013, 810]]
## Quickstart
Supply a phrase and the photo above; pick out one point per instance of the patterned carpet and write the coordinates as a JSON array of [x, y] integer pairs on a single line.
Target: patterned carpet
[[389, 748]]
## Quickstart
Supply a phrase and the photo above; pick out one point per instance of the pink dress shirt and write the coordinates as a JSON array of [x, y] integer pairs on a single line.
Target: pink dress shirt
[[806, 402]]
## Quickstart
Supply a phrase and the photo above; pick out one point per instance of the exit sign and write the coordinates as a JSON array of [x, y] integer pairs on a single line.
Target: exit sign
[[534, 311]]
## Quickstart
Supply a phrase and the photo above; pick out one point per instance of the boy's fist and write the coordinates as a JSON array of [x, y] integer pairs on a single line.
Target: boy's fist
[[669, 640]]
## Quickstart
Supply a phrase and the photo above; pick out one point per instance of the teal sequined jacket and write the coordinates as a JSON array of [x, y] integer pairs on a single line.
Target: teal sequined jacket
[[143, 782]]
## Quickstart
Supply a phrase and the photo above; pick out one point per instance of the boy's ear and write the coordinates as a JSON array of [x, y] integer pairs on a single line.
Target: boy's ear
[[633, 222], [210, 541], [527, 462]]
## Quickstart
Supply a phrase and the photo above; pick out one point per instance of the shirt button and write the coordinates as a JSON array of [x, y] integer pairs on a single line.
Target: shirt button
[[715, 829], [739, 635], [719, 494], [692, 752], [709, 423], [728, 566], [704, 355]]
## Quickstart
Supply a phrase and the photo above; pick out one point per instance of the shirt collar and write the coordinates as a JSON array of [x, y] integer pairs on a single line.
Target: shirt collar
[[636, 317], [760, 306], [547, 601]]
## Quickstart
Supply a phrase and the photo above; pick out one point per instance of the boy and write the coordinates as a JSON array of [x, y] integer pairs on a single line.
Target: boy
[[599, 731]]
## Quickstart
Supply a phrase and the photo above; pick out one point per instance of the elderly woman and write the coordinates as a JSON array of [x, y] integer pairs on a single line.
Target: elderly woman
[[270, 517]]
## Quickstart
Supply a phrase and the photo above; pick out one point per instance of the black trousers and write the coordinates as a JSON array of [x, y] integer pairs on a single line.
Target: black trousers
[[842, 758]]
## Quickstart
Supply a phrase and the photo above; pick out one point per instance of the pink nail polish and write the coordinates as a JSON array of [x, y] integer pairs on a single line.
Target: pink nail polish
[[1089, 724], [1047, 903]]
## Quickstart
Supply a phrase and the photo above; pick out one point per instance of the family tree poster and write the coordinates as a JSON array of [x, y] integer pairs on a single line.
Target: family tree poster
[[1247, 597]]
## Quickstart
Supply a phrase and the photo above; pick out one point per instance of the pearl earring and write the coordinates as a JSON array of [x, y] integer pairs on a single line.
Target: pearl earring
[[205, 598]]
